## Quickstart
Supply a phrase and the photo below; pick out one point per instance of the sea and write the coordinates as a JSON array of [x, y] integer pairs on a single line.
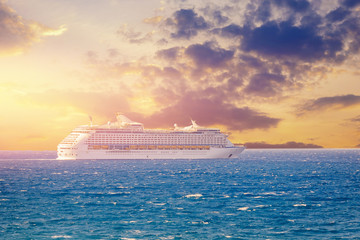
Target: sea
[[265, 194]]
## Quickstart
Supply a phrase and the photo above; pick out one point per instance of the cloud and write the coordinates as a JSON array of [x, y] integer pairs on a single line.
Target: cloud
[[297, 40], [282, 145], [46, 31], [299, 30], [296, 31], [284, 39], [186, 23], [208, 55], [295, 5], [350, 3], [263, 12], [169, 54], [209, 111], [338, 14], [265, 84], [153, 20], [132, 36], [215, 13], [113, 52], [335, 102], [175, 94], [219, 17], [203, 55], [356, 119], [232, 30], [18, 34], [266, 51]]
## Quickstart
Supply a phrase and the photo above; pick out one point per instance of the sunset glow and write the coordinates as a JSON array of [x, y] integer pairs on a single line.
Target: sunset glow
[[264, 71]]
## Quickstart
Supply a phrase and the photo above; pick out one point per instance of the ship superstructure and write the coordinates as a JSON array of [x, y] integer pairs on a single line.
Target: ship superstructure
[[126, 139]]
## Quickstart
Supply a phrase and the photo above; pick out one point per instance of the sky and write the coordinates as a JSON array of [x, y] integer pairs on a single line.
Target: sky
[[263, 71]]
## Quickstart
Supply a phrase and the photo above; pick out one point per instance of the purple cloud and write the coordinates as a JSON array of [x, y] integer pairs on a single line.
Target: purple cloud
[[338, 14], [187, 23], [295, 5], [351, 3], [265, 84], [168, 54], [207, 55], [284, 39], [324, 103], [208, 111], [356, 119]]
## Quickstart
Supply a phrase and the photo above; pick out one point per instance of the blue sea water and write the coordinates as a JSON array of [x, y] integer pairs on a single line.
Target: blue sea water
[[266, 194]]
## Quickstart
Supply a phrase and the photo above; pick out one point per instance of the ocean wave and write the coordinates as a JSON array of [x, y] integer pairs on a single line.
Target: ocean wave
[[60, 236], [269, 193], [117, 193], [200, 222], [196, 195], [299, 205], [159, 204], [243, 208], [169, 237], [261, 206]]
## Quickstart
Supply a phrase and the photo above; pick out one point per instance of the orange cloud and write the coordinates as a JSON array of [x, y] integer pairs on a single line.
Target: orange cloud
[[153, 20], [18, 34]]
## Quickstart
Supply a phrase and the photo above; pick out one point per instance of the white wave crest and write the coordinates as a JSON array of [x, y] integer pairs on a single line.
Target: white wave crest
[[299, 205], [61, 236], [196, 195], [243, 208], [261, 206]]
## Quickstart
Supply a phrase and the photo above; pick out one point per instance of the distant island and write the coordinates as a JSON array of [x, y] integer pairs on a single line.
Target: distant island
[[291, 144]]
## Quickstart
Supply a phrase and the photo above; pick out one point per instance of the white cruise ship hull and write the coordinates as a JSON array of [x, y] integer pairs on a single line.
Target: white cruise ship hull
[[212, 153], [126, 139]]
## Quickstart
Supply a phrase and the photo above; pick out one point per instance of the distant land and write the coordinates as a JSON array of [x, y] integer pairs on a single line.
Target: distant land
[[291, 144]]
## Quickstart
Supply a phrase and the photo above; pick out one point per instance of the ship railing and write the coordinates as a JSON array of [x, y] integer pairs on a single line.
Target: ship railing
[[151, 147]]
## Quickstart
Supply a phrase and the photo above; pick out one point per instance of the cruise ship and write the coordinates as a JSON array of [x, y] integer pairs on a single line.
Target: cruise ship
[[126, 139]]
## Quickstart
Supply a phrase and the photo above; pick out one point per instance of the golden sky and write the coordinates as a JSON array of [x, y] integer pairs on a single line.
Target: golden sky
[[263, 71]]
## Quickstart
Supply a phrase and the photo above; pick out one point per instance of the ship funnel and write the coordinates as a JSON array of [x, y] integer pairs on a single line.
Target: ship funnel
[[122, 119], [125, 122]]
